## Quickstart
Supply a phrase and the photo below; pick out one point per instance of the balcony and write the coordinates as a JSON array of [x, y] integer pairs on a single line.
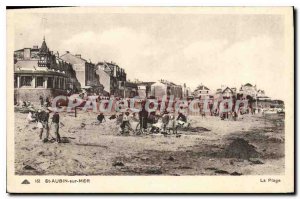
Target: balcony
[[42, 63]]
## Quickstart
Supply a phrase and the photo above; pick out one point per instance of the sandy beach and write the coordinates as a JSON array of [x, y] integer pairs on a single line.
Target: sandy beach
[[252, 145]]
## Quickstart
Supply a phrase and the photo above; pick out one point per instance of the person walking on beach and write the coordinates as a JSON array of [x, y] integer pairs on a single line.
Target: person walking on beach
[[42, 119], [55, 123], [41, 100]]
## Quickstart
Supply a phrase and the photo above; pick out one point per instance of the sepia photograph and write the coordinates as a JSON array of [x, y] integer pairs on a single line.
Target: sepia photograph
[[154, 93]]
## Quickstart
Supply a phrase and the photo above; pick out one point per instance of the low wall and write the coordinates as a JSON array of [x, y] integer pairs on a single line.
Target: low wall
[[33, 94]]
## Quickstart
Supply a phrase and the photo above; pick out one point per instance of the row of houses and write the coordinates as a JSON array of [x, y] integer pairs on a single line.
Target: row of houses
[[247, 90], [41, 72]]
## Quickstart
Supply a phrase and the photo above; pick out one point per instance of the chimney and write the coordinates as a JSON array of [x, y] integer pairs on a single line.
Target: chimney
[[67, 51], [78, 55]]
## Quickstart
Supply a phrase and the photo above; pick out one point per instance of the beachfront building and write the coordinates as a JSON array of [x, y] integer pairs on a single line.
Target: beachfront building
[[261, 95], [186, 92], [144, 89], [202, 92], [225, 92], [166, 88], [128, 89], [228, 93], [85, 73], [263, 100], [117, 77], [248, 90], [40, 72], [104, 79]]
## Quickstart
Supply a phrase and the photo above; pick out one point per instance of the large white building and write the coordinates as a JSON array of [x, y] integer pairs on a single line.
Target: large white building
[[202, 92], [166, 88], [248, 90], [104, 79]]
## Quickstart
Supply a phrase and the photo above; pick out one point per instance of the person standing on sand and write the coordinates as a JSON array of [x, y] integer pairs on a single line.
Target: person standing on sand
[[165, 121], [234, 115], [55, 122], [42, 119], [125, 126], [143, 116], [47, 102], [41, 100]]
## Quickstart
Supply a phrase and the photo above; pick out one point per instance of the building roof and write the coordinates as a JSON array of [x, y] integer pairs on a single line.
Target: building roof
[[107, 63], [25, 66], [227, 88], [130, 84], [44, 48], [248, 84], [28, 64], [202, 87], [168, 83], [218, 91], [68, 57], [145, 83], [31, 49]]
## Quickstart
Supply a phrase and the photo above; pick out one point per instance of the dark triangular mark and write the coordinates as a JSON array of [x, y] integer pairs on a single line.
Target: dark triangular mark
[[25, 182]]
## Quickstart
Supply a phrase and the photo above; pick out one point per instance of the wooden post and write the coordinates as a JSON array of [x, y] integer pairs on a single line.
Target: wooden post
[[75, 111]]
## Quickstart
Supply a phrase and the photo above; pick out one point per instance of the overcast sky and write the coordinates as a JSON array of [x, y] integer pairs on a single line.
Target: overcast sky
[[185, 48]]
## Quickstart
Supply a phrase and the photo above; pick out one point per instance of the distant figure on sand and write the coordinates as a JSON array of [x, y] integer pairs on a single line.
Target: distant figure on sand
[[42, 119], [125, 126], [143, 116], [55, 123], [41, 100], [182, 120], [100, 118], [182, 117], [47, 102]]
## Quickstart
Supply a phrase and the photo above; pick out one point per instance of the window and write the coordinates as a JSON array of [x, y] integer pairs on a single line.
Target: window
[[39, 82], [61, 83], [56, 83], [26, 81], [64, 83], [50, 82]]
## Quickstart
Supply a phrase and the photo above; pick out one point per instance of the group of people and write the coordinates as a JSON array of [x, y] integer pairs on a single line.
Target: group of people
[[41, 118], [46, 102], [148, 122]]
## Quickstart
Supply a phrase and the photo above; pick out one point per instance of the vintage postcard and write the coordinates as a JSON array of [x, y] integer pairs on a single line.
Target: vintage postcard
[[150, 100]]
